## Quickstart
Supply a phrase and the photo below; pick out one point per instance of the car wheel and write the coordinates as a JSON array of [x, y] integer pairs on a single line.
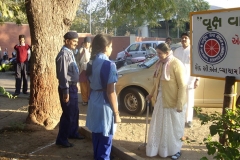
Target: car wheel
[[133, 101]]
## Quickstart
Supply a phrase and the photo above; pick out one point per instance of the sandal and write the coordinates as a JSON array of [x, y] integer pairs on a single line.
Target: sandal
[[176, 156]]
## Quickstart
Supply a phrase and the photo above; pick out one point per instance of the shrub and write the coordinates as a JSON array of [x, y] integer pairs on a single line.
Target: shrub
[[4, 92], [228, 126]]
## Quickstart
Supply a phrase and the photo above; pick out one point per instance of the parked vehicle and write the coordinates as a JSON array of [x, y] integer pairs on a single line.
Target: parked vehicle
[[137, 49], [7, 64], [126, 61], [136, 80]]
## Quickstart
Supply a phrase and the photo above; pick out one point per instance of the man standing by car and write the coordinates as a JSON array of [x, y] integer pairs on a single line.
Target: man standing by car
[[68, 76], [23, 53], [150, 51], [183, 54]]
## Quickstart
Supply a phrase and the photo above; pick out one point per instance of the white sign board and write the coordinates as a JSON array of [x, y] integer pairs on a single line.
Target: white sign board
[[215, 45]]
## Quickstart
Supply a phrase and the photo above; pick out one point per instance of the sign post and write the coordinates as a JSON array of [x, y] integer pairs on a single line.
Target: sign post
[[215, 45], [215, 49], [228, 101]]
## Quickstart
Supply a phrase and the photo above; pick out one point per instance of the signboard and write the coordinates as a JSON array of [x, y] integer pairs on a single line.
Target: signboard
[[215, 45]]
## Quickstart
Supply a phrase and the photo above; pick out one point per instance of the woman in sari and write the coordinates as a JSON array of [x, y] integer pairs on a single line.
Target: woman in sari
[[169, 92]]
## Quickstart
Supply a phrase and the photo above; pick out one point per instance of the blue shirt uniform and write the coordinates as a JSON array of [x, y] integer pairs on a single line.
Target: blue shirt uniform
[[100, 117], [67, 70], [67, 75]]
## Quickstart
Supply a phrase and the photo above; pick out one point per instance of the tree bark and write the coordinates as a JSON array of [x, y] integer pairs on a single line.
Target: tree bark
[[167, 27], [48, 20]]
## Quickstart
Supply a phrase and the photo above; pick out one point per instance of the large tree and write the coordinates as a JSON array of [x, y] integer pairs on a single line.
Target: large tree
[[185, 7], [137, 13], [48, 21], [12, 11], [81, 21]]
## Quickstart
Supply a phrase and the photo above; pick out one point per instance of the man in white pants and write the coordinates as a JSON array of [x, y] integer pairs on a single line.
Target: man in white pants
[[183, 54]]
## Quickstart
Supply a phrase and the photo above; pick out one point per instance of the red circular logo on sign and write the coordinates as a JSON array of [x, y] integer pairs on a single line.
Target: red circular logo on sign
[[212, 47]]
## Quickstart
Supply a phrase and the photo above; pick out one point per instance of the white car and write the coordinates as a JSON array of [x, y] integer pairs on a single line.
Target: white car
[[136, 80], [137, 49]]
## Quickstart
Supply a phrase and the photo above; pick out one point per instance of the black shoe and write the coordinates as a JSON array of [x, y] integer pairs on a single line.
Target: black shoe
[[25, 92], [65, 145], [189, 124], [16, 94], [111, 157], [78, 137]]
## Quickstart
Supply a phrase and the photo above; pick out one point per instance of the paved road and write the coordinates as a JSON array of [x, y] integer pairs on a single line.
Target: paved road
[[7, 80]]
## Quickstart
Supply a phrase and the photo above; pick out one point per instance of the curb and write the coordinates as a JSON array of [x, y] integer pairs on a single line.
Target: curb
[[117, 150]]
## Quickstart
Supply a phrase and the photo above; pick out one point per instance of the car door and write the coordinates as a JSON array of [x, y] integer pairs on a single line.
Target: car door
[[210, 93], [154, 45], [142, 52], [133, 49], [213, 91]]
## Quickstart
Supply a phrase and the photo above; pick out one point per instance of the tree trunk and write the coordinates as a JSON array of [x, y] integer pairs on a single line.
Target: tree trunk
[[48, 20], [167, 27]]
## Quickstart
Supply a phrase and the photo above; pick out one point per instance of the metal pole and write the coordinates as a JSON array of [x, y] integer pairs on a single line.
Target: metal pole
[[146, 130], [229, 93], [234, 97], [90, 19], [106, 16], [178, 32]]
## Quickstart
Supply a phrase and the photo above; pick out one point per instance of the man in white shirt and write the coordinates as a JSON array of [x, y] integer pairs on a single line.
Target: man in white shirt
[[150, 51], [183, 54]]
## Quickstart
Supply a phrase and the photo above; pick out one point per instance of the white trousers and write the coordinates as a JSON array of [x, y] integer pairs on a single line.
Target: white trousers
[[190, 105]]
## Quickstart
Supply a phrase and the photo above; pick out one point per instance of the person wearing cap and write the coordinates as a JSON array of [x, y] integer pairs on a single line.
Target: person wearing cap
[[83, 58], [68, 76], [183, 54]]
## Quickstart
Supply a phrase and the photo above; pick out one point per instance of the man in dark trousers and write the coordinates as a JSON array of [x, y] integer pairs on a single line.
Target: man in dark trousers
[[68, 77], [23, 53]]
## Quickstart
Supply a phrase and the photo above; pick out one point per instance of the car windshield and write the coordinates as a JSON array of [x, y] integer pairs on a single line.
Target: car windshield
[[150, 62]]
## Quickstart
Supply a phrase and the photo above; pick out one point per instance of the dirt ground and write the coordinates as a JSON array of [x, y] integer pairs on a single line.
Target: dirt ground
[[38, 144]]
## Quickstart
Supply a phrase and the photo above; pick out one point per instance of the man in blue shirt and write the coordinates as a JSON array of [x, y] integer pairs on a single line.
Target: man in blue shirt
[[68, 76]]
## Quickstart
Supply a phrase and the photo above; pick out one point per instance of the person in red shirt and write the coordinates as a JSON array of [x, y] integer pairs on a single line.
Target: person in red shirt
[[22, 52]]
